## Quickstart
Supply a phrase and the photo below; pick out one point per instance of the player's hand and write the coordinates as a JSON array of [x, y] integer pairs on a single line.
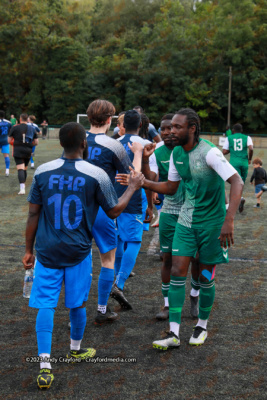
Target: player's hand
[[28, 261], [136, 180], [156, 199], [227, 233], [135, 147], [249, 161], [149, 149], [123, 179], [149, 215]]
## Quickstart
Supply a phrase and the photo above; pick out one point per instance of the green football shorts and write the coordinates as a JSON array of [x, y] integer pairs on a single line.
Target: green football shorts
[[167, 225], [242, 171], [187, 241]]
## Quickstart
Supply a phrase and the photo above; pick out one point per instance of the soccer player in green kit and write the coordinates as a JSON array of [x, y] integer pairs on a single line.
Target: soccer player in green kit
[[238, 145], [202, 225], [158, 163]]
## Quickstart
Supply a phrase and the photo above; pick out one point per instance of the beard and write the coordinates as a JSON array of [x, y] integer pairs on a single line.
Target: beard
[[182, 141], [85, 152]]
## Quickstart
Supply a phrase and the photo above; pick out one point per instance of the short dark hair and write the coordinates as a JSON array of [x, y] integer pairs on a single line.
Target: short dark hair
[[71, 135], [238, 128], [2, 114], [99, 111], [139, 108], [167, 116], [24, 117], [144, 127], [257, 161], [132, 120], [192, 119]]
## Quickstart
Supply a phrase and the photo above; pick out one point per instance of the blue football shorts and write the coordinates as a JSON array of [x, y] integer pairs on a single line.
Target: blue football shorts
[[104, 232], [130, 227], [47, 283], [5, 148]]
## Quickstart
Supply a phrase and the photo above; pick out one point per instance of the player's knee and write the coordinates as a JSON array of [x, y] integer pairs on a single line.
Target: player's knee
[[83, 305], [45, 320]]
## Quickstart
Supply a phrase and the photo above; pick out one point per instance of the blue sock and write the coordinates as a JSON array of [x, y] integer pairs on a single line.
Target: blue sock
[[44, 329], [118, 256], [78, 322], [105, 283], [127, 263], [32, 159], [7, 161]]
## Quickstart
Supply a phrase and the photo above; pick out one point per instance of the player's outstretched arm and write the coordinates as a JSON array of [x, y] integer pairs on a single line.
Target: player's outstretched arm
[[148, 151], [136, 180], [31, 228], [227, 231], [137, 149], [168, 187]]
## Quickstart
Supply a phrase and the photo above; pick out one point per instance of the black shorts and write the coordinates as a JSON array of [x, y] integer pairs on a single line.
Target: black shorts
[[19, 161]]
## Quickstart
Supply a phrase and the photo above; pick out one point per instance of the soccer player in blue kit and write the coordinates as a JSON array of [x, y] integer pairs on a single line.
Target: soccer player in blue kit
[[5, 127], [110, 155], [63, 204], [31, 122], [130, 222]]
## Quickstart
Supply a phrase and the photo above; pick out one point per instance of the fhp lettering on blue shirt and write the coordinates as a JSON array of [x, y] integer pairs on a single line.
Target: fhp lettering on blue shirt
[[94, 153], [72, 184]]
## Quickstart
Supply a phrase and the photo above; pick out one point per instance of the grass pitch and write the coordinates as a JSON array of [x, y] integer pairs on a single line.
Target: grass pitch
[[230, 365]]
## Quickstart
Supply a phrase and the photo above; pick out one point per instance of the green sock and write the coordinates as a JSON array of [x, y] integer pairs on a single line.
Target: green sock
[[165, 289], [176, 297], [195, 284], [206, 298]]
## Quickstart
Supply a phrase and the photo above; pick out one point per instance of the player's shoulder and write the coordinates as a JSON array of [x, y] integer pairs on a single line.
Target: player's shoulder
[[5, 122], [138, 139], [92, 171], [159, 144], [49, 166]]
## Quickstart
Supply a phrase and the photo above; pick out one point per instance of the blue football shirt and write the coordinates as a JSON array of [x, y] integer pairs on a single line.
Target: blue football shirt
[[5, 127], [70, 192], [135, 204], [108, 154], [36, 128]]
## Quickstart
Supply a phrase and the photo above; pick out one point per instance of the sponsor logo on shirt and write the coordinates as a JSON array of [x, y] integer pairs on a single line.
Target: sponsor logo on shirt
[[179, 162], [175, 249], [164, 162]]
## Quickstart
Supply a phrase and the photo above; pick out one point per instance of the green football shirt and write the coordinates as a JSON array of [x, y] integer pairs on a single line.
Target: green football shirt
[[203, 171], [238, 144], [159, 163]]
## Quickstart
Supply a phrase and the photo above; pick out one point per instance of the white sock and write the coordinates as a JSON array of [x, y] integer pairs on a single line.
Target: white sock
[[75, 344], [32, 164], [166, 302], [203, 323], [227, 206], [46, 365], [102, 309], [194, 292], [159, 211], [175, 328], [22, 186], [7, 170]]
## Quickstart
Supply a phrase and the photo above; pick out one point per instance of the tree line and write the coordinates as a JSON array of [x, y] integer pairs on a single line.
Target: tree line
[[59, 55]]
